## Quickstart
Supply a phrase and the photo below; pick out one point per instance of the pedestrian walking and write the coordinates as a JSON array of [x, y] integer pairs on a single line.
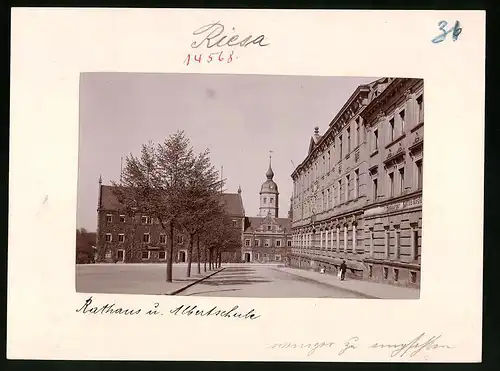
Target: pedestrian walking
[[343, 269]]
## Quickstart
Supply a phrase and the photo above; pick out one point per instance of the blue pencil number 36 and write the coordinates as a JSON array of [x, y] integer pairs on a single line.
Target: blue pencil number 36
[[456, 30]]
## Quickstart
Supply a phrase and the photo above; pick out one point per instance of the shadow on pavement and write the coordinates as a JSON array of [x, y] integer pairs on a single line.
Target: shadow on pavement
[[187, 279], [234, 273], [228, 282], [209, 292], [239, 269], [234, 276]]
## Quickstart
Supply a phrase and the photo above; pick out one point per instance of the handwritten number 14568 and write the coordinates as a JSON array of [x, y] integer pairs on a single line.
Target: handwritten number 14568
[[212, 57]]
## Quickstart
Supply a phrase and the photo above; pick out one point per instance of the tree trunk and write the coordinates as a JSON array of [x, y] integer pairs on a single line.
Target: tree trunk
[[170, 251], [205, 258], [190, 255], [210, 257], [198, 254]]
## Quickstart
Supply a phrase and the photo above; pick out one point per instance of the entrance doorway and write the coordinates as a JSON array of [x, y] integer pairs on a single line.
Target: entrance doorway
[[120, 255], [182, 256], [247, 257]]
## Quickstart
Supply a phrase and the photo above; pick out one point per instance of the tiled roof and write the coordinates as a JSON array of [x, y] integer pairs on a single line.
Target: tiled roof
[[255, 222], [233, 202], [108, 199]]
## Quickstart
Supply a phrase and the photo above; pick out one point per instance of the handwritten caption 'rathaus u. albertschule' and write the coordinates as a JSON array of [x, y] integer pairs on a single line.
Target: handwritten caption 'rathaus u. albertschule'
[[182, 310]]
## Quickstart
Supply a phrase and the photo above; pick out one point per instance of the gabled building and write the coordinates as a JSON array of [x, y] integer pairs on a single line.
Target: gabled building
[[266, 237], [133, 239]]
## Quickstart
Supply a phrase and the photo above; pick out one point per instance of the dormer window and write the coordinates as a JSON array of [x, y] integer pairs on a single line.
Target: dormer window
[[268, 227]]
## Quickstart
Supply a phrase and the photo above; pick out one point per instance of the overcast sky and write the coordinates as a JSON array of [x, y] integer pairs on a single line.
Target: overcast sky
[[238, 117]]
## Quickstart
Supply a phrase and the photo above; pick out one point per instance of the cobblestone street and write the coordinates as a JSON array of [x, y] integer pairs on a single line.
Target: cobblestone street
[[266, 282], [235, 280]]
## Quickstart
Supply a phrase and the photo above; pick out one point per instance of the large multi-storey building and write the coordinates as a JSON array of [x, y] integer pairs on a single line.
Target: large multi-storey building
[[267, 238], [129, 239], [358, 193]]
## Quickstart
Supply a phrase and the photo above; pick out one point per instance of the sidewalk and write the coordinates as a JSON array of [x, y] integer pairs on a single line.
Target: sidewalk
[[145, 279], [367, 289]]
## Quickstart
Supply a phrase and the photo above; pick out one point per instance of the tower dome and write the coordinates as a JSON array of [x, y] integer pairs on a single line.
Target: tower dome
[[269, 194], [269, 186], [270, 173]]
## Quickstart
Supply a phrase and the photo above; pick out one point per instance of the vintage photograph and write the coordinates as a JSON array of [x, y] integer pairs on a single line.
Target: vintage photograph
[[250, 185]]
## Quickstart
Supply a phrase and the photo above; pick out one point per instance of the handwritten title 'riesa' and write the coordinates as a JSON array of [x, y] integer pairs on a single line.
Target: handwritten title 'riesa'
[[213, 44]]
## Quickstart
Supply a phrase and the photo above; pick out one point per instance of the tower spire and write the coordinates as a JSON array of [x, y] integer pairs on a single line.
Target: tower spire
[[270, 173]]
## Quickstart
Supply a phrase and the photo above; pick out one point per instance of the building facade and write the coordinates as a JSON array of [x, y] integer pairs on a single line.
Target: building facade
[[267, 238], [358, 193], [139, 238]]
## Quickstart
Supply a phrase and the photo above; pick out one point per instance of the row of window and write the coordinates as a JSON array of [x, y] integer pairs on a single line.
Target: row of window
[[145, 255], [271, 200], [146, 219], [326, 241], [267, 257], [267, 242], [123, 219], [324, 164], [270, 227], [392, 181], [396, 124], [333, 195], [395, 274], [146, 238], [394, 243]]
